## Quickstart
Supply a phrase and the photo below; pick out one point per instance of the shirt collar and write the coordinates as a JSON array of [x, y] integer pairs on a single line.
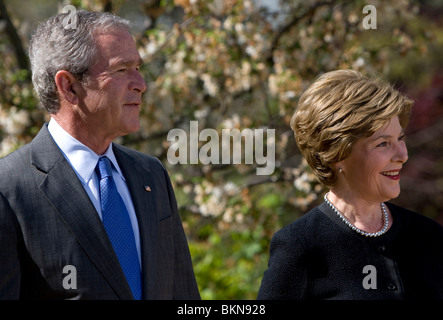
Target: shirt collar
[[110, 154], [81, 158]]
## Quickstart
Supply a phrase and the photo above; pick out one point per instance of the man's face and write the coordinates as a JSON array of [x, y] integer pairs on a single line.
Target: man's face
[[111, 97]]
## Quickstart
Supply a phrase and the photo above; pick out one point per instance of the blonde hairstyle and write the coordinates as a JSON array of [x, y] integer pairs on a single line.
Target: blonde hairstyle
[[338, 109]]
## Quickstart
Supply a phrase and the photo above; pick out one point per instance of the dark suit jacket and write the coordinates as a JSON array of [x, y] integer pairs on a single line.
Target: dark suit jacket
[[47, 222], [319, 257]]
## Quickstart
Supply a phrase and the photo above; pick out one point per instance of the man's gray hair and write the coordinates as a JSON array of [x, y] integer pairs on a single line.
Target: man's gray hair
[[53, 48]]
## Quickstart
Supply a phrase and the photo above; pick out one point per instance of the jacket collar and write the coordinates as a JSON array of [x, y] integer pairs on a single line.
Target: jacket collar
[[64, 190]]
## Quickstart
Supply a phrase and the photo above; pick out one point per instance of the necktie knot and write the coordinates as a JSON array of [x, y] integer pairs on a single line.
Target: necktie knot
[[104, 168]]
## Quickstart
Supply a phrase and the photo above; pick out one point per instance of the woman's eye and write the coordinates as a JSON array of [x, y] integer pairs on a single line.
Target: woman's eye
[[382, 144]]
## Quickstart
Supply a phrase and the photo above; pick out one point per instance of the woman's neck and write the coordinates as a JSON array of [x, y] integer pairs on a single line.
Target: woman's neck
[[363, 214]]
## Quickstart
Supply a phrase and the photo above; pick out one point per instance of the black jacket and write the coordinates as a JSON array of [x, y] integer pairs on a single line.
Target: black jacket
[[319, 257]]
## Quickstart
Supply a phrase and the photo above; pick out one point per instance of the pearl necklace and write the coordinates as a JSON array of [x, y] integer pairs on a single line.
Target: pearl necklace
[[349, 224]]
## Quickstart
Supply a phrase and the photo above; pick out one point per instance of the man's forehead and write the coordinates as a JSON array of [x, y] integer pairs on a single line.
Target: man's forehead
[[116, 47], [108, 38]]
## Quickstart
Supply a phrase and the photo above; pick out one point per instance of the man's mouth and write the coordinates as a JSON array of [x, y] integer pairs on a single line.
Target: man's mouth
[[135, 104]]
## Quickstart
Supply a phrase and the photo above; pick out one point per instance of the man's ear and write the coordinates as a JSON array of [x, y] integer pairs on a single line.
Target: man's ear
[[67, 86]]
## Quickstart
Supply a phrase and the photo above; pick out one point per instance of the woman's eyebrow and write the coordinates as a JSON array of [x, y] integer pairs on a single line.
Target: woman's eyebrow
[[387, 136]]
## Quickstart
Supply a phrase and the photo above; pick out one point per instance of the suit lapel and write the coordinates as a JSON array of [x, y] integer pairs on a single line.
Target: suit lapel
[[145, 207], [63, 189]]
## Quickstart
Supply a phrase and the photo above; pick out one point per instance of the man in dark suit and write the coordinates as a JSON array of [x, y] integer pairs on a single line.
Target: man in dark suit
[[54, 242]]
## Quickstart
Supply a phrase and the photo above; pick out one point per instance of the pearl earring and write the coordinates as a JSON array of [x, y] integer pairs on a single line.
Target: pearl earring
[[340, 170]]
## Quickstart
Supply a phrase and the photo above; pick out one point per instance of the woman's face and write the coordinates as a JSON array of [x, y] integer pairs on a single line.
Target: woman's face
[[372, 170]]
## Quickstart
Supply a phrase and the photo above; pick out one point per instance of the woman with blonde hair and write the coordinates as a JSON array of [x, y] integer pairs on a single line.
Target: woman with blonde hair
[[355, 245]]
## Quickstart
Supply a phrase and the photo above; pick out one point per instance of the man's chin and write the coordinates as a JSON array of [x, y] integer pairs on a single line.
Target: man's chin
[[129, 128]]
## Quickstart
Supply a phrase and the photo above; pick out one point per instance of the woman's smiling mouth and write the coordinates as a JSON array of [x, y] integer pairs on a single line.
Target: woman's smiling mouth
[[392, 174]]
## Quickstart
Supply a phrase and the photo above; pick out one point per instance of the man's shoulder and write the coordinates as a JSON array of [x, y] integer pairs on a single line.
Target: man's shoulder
[[140, 158], [15, 159], [14, 169], [135, 154]]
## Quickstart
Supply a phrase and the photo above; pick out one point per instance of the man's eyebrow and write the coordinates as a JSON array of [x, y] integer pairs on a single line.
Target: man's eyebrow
[[127, 63]]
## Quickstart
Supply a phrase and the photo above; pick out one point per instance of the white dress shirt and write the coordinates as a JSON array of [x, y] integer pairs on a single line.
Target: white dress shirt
[[83, 160]]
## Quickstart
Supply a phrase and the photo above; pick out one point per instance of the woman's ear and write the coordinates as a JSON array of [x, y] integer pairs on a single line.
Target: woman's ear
[[67, 86], [338, 167]]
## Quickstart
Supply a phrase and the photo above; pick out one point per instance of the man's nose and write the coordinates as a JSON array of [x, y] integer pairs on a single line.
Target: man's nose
[[138, 83]]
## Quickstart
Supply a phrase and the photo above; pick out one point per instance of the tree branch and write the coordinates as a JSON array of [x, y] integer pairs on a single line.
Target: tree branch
[[296, 19], [22, 58]]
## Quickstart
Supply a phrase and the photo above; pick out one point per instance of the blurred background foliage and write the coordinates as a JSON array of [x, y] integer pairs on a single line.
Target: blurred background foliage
[[243, 64]]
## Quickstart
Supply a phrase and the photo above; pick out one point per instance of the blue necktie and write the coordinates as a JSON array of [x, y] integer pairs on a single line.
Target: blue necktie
[[118, 226]]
